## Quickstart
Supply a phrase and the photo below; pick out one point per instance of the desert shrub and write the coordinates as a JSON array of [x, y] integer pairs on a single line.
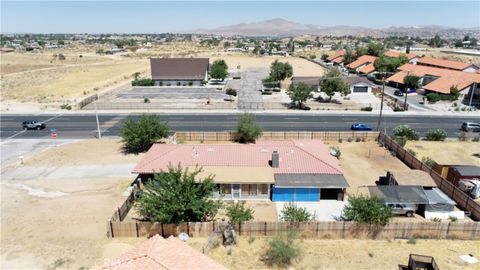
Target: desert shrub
[[401, 140], [146, 100], [412, 241], [368, 210], [66, 107], [291, 212], [282, 250], [453, 218], [340, 140], [405, 131], [436, 135], [337, 151], [367, 109], [358, 139], [190, 83], [429, 161], [433, 97], [178, 83], [476, 139], [143, 82], [411, 151], [237, 212], [251, 239], [349, 139]]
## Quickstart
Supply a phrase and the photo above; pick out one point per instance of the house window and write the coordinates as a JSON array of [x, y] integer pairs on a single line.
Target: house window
[[253, 190], [226, 189], [245, 190], [263, 189]]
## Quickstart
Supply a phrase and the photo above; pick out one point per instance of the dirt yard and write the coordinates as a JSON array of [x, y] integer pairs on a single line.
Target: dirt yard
[[346, 254], [364, 162], [447, 152], [54, 216]]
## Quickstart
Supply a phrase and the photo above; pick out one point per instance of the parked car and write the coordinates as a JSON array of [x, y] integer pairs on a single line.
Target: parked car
[[468, 126], [402, 209], [33, 125], [398, 93], [360, 126]]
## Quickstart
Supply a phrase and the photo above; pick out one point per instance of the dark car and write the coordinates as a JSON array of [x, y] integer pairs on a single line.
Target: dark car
[[360, 127], [33, 125], [398, 93]]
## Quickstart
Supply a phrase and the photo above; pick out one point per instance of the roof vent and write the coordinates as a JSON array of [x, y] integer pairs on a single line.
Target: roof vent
[[275, 159]]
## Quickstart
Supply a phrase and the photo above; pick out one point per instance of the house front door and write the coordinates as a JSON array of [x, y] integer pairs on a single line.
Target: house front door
[[236, 191]]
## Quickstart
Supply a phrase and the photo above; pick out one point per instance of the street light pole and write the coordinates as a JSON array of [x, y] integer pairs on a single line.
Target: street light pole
[[98, 123], [381, 104], [471, 95]]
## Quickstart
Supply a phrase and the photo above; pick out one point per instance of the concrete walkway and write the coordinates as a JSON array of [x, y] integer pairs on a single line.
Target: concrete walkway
[[248, 89]]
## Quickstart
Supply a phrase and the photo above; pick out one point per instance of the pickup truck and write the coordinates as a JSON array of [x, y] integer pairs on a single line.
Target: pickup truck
[[403, 209], [33, 125]]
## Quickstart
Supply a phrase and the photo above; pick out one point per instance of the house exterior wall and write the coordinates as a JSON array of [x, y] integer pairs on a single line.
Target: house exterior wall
[[174, 82], [252, 191]]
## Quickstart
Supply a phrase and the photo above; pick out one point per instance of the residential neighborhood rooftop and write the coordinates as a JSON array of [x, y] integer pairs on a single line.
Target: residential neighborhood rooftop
[[362, 60], [455, 65], [179, 68]]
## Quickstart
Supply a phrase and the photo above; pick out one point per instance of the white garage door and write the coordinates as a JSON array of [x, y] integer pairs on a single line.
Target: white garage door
[[360, 89]]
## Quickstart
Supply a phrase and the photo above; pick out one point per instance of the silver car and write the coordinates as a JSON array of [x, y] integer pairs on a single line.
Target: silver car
[[469, 126], [402, 209]]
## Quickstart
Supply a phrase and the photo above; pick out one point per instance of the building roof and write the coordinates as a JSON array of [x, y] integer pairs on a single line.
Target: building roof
[[467, 170], [160, 253], [413, 178], [455, 65], [446, 78], [396, 54], [336, 55], [238, 175], [338, 60], [399, 194], [309, 80], [362, 60], [436, 196], [367, 69], [354, 80], [179, 68], [311, 180], [296, 156]]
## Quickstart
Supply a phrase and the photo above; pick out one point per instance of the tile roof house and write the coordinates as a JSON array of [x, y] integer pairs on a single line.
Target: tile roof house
[[336, 57], [363, 64], [359, 84], [313, 81], [447, 64], [297, 170], [162, 254], [171, 71], [436, 79]]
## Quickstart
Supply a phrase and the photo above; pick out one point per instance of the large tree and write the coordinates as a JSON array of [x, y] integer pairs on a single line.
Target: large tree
[[333, 82], [219, 70], [138, 136], [367, 210], [300, 93], [375, 49], [177, 196], [389, 64], [248, 129], [280, 71], [411, 81], [349, 56]]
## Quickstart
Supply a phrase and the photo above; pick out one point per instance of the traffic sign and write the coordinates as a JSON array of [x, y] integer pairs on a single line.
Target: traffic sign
[[53, 130], [54, 135]]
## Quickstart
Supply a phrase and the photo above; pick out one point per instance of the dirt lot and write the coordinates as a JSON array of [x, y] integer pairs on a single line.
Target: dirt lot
[[447, 152], [347, 254], [53, 219]]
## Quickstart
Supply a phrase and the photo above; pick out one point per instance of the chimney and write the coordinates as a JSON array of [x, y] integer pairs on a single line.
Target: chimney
[[275, 159]]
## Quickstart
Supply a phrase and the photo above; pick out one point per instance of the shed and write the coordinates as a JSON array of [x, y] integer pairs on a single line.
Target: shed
[[462, 172], [410, 178], [438, 201]]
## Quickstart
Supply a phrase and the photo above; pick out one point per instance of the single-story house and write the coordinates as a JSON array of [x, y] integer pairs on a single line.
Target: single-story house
[[166, 254], [297, 170], [336, 55], [412, 58], [410, 178], [359, 84], [447, 64], [363, 64], [312, 81], [172, 71], [462, 172]]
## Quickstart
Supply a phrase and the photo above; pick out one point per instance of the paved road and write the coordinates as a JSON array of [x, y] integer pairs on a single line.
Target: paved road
[[81, 125]]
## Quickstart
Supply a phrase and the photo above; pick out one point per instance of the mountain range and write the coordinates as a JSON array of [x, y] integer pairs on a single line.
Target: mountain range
[[284, 28]]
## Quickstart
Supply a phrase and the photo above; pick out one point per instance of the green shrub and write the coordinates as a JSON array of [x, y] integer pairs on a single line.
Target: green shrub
[[411, 151], [179, 83], [436, 135], [397, 109], [146, 100], [139, 135], [401, 140], [405, 131], [291, 212], [143, 82], [337, 151], [248, 129], [66, 107], [237, 212], [412, 241], [368, 210], [282, 250], [429, 161], [433, 97], [190, 83], [367, 109]]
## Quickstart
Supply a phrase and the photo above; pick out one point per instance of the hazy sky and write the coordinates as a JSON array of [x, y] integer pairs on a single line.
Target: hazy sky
[[158, 17]]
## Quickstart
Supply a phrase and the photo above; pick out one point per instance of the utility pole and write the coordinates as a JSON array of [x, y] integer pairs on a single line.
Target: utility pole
[[98, 123], [471, 95], [381, 104], [406, 94]]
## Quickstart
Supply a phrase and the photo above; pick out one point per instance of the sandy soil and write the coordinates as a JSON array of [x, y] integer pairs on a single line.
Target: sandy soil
[[49, 222], [263, 211], [364, 162], [346, 254], [447, 152]]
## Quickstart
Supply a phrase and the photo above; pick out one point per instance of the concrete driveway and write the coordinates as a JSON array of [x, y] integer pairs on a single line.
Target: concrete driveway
[[249, 96], [324, 210]]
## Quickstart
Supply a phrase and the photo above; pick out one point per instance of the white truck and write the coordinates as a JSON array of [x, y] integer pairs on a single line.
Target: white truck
[[471, 187]]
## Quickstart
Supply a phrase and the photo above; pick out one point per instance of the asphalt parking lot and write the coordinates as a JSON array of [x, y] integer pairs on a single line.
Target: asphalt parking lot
[[200, 93]]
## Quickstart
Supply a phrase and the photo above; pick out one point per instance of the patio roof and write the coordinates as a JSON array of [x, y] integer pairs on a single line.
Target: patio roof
[[311, 180]]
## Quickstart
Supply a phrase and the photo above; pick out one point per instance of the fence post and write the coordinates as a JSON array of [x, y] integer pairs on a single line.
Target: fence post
[[119, 215], [265, 228], [111, 229], [316, 233], [161, 226], [136, 228]]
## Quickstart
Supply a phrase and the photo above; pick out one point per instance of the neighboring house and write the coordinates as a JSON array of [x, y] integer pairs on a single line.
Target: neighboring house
[[410, 178], [280, 53], [171, 71], [412, 58], [165, 254], [447, 64], [462, 172], [338, 61], [312, 81], [297, 170], [359, 84], [336, 57], [363, 64], [438, 80]]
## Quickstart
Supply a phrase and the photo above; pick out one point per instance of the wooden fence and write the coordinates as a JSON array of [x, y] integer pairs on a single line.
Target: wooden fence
[[288, 135], [320, 229], [463, 201]]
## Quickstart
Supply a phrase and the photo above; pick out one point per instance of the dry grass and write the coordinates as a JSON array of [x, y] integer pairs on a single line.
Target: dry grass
[[447, 152], [346, 254]]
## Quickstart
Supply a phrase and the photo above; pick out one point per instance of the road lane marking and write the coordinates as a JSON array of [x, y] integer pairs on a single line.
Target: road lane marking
[[23, 131], [291, 118]]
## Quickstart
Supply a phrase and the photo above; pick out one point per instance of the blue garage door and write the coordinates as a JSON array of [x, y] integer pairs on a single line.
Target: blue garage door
[[295, 194]]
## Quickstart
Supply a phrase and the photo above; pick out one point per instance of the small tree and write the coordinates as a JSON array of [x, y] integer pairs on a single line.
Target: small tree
[[136, 75], [436, 135], [291, 212], [280, 71], [238, 212], [219, 70], [324, 57], [138, 136], [333, 82], [300, 93], [61, 57], [282, 249], [231, 92], [248, 129], [368, 210], [405, 131], [174, 196], [411, 82]]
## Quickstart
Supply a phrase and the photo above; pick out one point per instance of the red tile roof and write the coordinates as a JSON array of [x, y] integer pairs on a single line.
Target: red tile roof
[[455, 65], [302, 156], [338, 60], [367, 69], [336, 55], [160, 253], [446, 78], [362, 60], [396, 54]]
